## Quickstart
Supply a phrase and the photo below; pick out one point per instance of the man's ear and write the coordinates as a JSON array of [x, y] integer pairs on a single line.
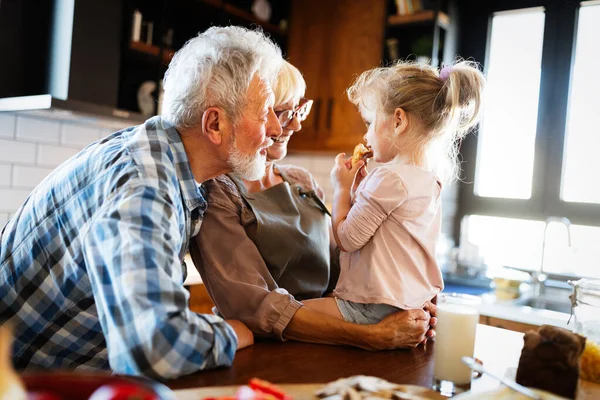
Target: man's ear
[[213, 124], [400, 120]]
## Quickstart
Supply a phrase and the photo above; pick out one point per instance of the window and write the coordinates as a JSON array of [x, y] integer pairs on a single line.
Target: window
[[537, 154], [518, 243], [509, 122], [582, 163]]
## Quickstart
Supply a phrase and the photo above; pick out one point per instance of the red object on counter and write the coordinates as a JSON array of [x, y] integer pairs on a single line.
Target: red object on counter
[[122, 391], [269, 388], [43, 396], [257, 389]]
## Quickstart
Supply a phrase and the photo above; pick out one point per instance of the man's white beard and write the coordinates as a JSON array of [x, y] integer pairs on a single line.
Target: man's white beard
[[250, 167]]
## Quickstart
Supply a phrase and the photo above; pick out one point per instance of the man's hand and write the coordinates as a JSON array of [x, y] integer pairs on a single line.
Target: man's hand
[[406, 328], [244, 335]]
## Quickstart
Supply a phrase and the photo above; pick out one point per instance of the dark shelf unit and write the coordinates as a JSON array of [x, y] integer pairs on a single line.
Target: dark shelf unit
[[430, 33], [245, 15], [143, 61]]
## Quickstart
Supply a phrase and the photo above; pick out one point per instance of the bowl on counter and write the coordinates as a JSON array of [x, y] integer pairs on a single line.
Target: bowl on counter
[[82, 385], [508, 283]]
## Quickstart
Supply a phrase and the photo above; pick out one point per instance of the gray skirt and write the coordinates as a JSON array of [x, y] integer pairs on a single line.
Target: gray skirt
[[364, 314]]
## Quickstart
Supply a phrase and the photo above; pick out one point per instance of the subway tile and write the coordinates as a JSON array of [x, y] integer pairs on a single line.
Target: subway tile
[[299, 160], [28, 177], [12, 151], [322, 164], [38, 129], [54, 155], [12, 199], [106, 132], [7, 125], [5, 174], [79, 135], [4, 217]]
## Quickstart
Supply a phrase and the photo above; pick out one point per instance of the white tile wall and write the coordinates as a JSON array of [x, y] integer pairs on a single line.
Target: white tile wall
[[12, 151], [5, 174], [79, 135], [53, 156], [28, 177], [11, 199], [30, 147], [37, 130], [3, 219], [7, 125]]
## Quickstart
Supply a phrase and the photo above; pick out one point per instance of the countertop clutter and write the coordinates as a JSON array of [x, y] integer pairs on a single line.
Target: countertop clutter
[[514, 310]]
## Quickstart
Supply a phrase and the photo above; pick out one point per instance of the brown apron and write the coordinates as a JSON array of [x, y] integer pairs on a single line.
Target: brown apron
[[292, 236]]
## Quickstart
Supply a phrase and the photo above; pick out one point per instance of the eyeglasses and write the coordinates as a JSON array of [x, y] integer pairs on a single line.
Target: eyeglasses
[[301, 112]]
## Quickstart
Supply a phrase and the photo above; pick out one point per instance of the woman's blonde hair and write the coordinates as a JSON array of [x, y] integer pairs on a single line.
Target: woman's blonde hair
[[289, 84], [440, 108]]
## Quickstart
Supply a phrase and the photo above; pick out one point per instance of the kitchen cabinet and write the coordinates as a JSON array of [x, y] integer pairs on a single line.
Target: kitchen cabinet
[[331, 43], [428, 33], [167, 25], [200, 301]]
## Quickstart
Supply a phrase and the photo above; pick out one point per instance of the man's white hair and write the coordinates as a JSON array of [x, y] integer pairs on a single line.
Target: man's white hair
[[215, 69]]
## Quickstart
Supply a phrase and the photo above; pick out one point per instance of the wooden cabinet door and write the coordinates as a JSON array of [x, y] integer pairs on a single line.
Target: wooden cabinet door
[[358, 45], [332, 42], [309, 50]]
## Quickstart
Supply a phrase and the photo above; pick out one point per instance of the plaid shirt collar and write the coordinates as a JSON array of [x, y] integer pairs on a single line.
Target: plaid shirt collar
[[194, 195]]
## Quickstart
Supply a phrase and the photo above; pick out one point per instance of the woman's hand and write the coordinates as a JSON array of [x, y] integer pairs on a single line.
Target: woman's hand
[[402, 329], [342, 177]]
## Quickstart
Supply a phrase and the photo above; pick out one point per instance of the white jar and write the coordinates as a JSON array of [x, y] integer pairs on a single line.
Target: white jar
[[586, 308]]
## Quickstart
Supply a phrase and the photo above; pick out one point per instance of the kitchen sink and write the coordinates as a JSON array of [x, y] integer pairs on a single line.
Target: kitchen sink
[[546, 304]]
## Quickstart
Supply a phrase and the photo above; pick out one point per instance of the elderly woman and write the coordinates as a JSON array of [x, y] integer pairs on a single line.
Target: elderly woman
[[265, 246]]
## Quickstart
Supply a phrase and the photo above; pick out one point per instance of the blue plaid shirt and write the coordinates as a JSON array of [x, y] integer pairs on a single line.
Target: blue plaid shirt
[[91, 266]]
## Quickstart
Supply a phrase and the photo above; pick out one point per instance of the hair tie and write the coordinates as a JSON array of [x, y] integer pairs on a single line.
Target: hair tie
[[445, 72]]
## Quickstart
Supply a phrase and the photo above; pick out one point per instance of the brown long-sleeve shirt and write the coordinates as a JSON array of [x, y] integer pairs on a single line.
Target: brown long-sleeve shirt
[[263, 290]]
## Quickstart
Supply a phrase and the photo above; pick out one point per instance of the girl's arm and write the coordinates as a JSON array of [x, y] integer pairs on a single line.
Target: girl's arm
[[380, 194], [342, 179]]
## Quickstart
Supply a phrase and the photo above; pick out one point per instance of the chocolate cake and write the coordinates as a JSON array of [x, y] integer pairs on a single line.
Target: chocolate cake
[[550, 360]]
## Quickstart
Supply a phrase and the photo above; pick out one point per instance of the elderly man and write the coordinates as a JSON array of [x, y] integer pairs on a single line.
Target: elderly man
[[91, 266]]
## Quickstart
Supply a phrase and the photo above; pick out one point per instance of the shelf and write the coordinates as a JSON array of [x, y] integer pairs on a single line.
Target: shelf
[[152, 50], [419, 17], [238, 12]]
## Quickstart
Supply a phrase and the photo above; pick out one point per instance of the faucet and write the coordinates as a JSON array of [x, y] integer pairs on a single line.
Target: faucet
[[539, 277]]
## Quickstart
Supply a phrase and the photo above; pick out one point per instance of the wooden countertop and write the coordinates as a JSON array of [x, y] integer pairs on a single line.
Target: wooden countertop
[[295, 362]]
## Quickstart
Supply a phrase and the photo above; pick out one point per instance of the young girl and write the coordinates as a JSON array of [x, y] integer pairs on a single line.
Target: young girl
[[387, 227]]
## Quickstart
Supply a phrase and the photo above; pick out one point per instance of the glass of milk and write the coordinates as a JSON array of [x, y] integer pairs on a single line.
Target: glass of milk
[[458, 316]]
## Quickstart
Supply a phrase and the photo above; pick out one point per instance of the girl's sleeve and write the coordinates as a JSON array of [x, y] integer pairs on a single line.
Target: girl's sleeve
[[380, 193]]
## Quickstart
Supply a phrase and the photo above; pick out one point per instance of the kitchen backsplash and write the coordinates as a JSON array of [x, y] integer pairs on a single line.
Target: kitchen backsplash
[[31, 147]]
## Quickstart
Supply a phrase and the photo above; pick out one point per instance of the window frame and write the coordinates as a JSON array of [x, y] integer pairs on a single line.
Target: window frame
[[558, 53]]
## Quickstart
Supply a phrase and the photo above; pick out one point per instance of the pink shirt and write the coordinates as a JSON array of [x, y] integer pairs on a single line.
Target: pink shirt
[[390, 235]]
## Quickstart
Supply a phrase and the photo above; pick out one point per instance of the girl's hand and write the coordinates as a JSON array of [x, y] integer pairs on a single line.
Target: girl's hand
[[341, 176]]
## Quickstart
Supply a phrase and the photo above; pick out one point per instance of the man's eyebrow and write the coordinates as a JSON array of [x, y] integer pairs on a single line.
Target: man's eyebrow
[[270, 98]]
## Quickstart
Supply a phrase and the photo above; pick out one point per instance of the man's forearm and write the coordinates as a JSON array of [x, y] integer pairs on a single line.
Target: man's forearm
[[313, 327]]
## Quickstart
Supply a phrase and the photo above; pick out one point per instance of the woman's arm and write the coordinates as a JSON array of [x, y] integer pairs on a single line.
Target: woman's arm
[[233, 270], [398, 330]]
